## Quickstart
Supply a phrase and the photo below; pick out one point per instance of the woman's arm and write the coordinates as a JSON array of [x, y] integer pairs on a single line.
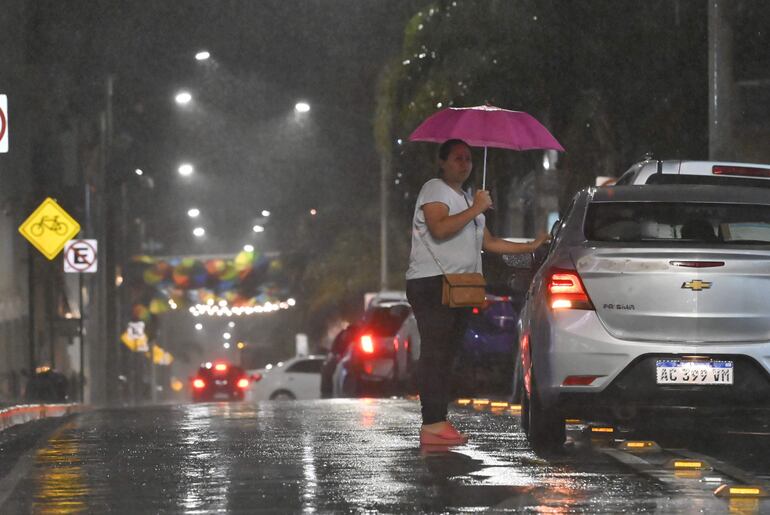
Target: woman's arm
[[442, 226], [501, 246]]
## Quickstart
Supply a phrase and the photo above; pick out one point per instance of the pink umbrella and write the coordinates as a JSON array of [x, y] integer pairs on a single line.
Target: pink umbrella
[[486, 126]]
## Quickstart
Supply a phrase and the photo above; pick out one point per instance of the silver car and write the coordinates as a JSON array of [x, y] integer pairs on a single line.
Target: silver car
[[650, 298]]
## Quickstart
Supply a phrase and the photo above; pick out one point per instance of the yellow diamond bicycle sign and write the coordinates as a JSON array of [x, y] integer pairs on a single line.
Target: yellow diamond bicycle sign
[[49, 227]]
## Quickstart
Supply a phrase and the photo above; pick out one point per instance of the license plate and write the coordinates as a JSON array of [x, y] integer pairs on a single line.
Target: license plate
[[676, 371]]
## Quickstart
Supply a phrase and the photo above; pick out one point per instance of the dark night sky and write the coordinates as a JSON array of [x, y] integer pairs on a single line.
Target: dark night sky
[[250, 150]]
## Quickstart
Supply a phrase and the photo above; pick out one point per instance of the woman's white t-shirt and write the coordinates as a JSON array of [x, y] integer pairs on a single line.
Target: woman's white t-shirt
[[458, 254]]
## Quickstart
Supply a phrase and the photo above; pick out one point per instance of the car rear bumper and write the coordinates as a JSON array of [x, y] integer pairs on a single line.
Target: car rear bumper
[[578, 345]]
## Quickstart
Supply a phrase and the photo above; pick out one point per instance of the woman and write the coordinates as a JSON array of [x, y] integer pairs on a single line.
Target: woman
[[448, 227]]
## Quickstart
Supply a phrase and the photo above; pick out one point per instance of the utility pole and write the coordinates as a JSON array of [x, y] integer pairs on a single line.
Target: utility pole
[[385, 164], [720, 69]]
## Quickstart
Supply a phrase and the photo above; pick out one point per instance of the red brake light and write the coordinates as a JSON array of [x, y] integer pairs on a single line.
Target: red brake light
[[243, 383], [566, 291], [475, 311], [367, 344], [220, 367], [745, 171], [198, 383]]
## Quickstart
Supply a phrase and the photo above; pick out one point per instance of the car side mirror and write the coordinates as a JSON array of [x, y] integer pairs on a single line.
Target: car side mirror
[[519, 261]]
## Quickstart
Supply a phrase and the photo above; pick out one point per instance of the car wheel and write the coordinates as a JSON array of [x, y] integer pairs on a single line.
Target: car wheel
[[545, 430], [522, 398], [282, 395]]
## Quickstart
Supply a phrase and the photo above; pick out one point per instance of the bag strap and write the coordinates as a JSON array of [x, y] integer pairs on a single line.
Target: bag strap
[[424, 242]]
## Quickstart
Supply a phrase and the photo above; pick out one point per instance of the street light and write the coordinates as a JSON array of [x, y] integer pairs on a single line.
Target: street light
[[248, 248], [265, 213], [258, 228], [198, 326], [226, 336], [193, 212], [199, 231], [185, 169], [138, 171], [302, 107], [226, 345], [202, 55], [183, 98]]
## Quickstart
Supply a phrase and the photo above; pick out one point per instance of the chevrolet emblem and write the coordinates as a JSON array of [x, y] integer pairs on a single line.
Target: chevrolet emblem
[[696, 285]]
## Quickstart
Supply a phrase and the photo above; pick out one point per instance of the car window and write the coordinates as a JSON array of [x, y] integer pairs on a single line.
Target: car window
[[670, 178], [726, 224], [385, 321], [307, 366]]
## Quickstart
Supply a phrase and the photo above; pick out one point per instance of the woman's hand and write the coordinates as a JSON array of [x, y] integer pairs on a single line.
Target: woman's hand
[[543, 238], [482, 200]]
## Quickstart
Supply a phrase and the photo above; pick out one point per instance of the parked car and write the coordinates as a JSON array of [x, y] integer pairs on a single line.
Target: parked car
[[370, 366], [219, 381], [715, 173], [298, 378], [489, 348], [651, 298]]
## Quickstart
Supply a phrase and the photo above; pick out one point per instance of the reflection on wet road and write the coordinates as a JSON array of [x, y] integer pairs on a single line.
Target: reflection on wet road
[[324, 456]]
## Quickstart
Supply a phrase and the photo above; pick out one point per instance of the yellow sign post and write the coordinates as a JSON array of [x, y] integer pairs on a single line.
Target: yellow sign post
[[49, 227]]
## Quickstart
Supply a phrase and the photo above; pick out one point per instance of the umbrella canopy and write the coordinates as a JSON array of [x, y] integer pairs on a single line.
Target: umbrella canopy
[[486, 126]]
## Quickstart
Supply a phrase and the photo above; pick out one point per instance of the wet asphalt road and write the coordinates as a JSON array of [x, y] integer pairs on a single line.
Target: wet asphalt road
[[335, 456]]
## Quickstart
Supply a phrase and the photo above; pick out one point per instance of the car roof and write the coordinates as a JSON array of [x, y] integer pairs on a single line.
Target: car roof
[[679, 193], [640, 172]]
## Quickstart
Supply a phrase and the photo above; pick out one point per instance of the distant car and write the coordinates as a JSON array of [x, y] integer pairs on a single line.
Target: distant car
[[715, 173], [651, 299], [370, 366], [336, 352], [219, 381], [298, 378]]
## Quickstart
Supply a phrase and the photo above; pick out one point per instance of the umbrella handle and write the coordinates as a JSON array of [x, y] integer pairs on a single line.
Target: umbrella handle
[[484, 176]]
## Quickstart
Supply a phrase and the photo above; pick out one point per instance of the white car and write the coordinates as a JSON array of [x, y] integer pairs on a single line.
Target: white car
[[298, 378], [716, 173]]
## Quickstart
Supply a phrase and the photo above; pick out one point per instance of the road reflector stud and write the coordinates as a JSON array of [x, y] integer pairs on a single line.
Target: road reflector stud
[[463, 402], [639, 446], [740, 491], [689, 465]]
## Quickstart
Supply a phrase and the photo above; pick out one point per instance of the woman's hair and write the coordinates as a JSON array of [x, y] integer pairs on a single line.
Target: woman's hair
[[443, 154], [446, 147]]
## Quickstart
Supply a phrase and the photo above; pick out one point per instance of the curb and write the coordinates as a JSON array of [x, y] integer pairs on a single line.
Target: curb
[[21, 414]]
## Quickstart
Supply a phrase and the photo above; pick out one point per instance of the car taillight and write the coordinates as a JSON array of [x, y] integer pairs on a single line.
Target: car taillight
[[745, 171], [367, 344], [566, 291], [220, 367], [243, 383], [198, 383]]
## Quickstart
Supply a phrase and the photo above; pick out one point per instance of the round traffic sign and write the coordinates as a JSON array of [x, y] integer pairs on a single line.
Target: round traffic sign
[[81, 255]]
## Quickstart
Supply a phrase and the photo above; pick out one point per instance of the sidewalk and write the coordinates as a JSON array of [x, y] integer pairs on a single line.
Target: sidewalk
[[11, 415]]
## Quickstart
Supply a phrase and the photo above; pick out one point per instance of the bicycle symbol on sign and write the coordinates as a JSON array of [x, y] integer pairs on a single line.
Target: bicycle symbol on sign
[[51, 223]]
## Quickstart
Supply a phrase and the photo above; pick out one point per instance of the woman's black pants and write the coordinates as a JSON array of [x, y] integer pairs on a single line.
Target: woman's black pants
[[441, 335]]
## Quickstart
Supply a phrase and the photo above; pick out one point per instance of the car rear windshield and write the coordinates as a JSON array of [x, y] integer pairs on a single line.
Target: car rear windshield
[[713, 180], [385, 321], [720, 224]]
